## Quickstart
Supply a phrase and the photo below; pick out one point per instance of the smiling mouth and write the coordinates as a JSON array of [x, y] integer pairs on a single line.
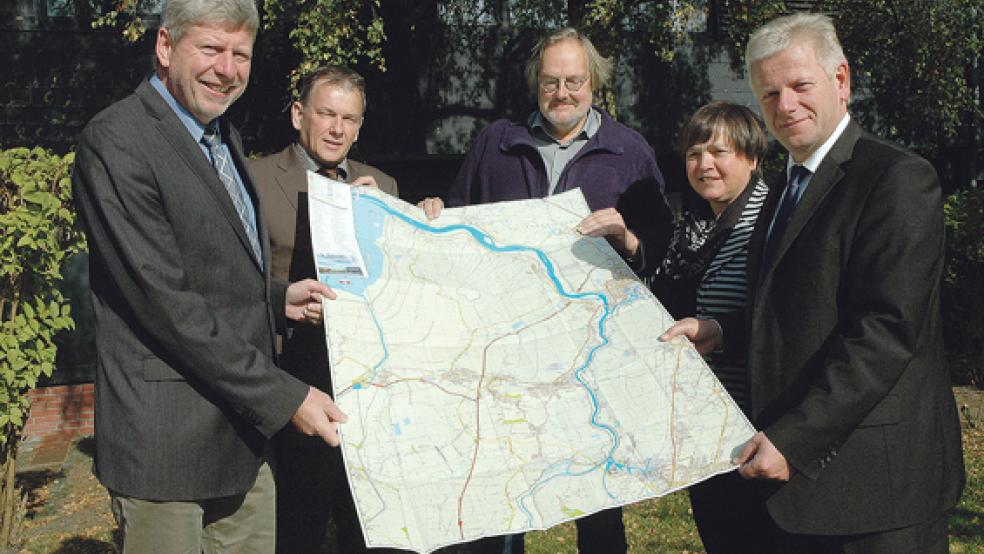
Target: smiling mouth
[[790, 124], [219, 89]]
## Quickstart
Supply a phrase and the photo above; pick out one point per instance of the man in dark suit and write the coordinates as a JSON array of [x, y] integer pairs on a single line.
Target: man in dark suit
[[187, 392], [311, 483], [860, 443], [327, 115]]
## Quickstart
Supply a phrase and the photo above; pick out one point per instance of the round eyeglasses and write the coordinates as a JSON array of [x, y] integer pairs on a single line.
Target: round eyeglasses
[[572, 84]]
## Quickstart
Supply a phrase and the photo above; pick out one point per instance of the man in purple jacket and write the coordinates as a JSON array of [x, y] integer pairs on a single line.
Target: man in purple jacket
[[569, 143]]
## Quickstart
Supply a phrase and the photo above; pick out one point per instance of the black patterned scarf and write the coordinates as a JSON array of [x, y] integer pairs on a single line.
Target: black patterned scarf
[[696, 240]]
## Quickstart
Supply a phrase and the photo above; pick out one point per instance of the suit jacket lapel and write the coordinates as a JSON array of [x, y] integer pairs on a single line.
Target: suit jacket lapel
[[354, 172], [823, 182], [177, 136], [293, 177], [756, 246]]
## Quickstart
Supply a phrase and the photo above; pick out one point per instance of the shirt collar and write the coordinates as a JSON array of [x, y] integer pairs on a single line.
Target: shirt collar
[[310, 164], [537, 125], [813, 162], [196, 128]]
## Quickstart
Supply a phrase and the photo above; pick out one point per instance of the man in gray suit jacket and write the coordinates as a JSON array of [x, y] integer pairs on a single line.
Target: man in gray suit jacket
[[187, 391], [859, 449], [311, 482]]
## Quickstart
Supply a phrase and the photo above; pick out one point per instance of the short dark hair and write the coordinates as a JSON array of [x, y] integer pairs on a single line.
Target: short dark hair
[[336, 76], [740, 126]]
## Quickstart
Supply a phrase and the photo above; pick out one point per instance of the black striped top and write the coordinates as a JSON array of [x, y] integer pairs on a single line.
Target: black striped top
[[722, 288]]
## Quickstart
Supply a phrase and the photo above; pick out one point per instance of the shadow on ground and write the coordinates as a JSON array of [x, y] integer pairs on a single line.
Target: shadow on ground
[[68, 511], [87, 446], [76, 545]]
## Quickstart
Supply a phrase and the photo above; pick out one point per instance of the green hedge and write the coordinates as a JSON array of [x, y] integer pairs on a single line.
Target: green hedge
[[963, 285], [37, 233]]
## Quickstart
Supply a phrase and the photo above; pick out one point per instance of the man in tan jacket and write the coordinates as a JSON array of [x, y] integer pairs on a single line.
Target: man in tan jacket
[[328, 112]]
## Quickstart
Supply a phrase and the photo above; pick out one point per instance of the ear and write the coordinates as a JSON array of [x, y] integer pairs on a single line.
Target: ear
[[296, 109], [842, 77], [163, 48], [754, 165]]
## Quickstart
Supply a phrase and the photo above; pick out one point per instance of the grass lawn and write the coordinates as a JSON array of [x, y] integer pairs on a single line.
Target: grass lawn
[[966, 522], [665, 524], [660, 525], [69, 514]]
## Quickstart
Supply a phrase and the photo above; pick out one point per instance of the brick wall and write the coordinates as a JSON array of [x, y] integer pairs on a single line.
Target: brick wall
[[66, 410]]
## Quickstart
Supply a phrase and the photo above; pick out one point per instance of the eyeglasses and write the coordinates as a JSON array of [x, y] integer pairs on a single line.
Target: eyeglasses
[[572, 84]]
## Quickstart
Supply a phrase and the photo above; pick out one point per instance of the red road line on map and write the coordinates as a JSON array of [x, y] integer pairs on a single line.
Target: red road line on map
[[421, 381], [672, 418], [478, 411], [478, 434]]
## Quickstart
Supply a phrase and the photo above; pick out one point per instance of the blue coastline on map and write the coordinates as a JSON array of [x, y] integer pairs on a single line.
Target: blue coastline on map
[[370, 214], [369, 220]]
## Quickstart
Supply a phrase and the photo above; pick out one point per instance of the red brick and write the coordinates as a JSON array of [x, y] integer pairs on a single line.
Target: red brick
[[59, 410]]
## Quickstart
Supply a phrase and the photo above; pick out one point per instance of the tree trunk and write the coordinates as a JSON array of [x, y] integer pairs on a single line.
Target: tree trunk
[[8, 491]]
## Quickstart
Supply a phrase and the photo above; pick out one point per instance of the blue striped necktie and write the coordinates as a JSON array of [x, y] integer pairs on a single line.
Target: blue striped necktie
[[797, 176], [223, 166]]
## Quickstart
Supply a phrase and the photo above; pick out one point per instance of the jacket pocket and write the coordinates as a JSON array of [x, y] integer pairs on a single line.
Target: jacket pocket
[[886, 412]]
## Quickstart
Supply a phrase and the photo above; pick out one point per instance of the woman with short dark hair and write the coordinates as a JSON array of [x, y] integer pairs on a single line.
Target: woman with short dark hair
[[703, 275]]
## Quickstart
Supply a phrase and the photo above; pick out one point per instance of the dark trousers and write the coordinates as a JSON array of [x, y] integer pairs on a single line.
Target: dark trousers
[[730, 516], [311, 489], [923, 538], [600, 533]]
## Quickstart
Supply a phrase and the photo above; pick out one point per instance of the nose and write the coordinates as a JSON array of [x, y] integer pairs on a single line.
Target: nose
[[787, 101], [225, 65], [706, 161], [335, 126], [561, 93]]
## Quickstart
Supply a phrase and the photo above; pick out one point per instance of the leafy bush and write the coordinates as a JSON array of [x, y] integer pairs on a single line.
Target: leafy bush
[[37, 233], [963, 285]]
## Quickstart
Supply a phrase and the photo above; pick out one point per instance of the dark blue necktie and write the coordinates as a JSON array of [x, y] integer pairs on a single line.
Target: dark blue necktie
[[797, 177], [223, 166]]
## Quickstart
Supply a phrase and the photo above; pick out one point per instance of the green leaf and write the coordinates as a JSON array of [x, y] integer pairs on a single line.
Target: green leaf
[[37, 234]]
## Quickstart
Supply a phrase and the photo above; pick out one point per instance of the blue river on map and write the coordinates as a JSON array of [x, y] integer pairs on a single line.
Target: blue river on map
[[370, 214]]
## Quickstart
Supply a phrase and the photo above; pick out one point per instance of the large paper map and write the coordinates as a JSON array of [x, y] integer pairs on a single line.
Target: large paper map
[[502, 373]]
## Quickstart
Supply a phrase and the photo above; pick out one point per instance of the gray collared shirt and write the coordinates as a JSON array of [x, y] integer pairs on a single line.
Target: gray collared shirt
[[556, 154], [311, 165]]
